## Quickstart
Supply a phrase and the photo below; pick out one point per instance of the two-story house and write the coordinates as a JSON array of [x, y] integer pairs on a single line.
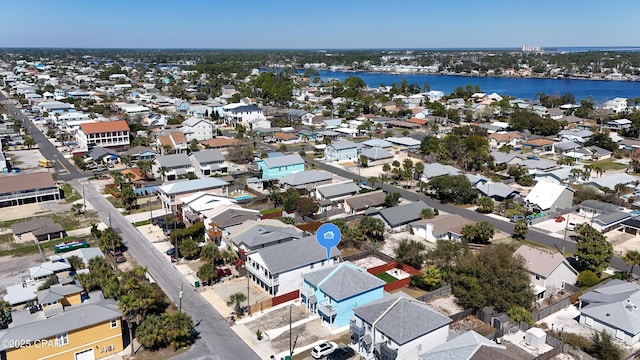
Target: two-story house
[[64, 328], [198, 129], [549, 197], [278, 268], [397, 327], [241, 113], [219, 218], [194, 205], [334, 292], [170, 194], [109, 134], [274, 168], [256, 234], [208, 162], [173, 142], [171, 167], [549, 272], [341, 151]]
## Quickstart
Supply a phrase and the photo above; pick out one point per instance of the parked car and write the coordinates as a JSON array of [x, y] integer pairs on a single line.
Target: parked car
[[324, 349], [515, 218], [341, 354], [223, 272], [99, 169], [533, 157], [572, 225], [120, 258], [171, 251], [560, 219]]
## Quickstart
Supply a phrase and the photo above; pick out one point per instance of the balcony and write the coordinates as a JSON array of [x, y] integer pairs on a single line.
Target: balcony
[[355, 329], [387, 352], [327, 309]]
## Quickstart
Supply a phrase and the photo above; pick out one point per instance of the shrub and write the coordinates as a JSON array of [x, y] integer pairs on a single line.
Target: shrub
[[587, 279]]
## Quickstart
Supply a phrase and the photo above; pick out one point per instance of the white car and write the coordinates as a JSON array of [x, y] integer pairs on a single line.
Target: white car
[[324, 349], [572, 225]]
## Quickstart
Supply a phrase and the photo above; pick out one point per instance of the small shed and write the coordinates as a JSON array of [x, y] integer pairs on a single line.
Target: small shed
[[535, 337]]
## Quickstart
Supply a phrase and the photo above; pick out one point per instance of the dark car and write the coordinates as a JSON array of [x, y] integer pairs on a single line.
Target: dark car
[[171, 251], [341, 354], [223, 272], [120, 258]]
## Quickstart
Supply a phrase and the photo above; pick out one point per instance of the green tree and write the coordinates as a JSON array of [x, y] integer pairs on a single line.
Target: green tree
[[632, 258], [306, 206], [518, 314], [372, 228], [194, 145], [453, 188], [492, 277], [603, 347], [151, 333], [207, 273], [128, 197], [189, 248], [593, 251], [236, 300], [410, 252], [601, 140], [521, 229], [480, 233], [392, 199], [76, 262], [290, 199], [587, 279], [109, 240], [431, 277], [485, 205], [427, 213], [178, 328]]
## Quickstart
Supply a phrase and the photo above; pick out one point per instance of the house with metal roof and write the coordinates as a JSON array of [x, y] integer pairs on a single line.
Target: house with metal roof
[[274, 168], [341, 151], [208, 162], [309, 179], [372, 143], [610, 181], [397, 327], [593, 208], [170, 193], [338, 191], [548, 197], [335, 291], [64, 328], [549, 271], [173, 166], [433, 170], [398, 217], [609, 221], [614, 308], [469, 346], [278, 268]]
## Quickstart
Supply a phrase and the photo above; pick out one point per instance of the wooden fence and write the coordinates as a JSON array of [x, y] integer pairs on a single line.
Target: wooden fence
[[552, 309], [437, 293], [274, 301]]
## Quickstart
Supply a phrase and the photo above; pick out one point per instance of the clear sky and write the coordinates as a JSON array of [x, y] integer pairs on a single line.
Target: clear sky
[[311, 24]]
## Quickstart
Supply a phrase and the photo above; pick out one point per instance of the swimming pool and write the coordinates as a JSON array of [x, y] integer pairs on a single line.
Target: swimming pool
[[242, 197]]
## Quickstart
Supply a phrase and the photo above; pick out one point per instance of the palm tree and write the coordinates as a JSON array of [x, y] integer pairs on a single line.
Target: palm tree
[[162, 170], [632, 257], [236, 300]]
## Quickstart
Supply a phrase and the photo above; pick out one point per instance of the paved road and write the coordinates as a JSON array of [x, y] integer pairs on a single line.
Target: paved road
[[65, 170], [217, 340], [505, 226]]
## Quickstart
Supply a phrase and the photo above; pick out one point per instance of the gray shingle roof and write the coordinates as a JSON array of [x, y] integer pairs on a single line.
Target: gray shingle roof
[[615, 304], [306, 177], [341, 145], [294, 254], [174, 161], [285, 160], [208, 156], [602, 207], [260, 235], [341, 189], [401, 214], [234, 216], [376, 153], [402, 319], [344, 281], [461, 347], [74, 317], [495, 189], [57, 292], [366, 200]]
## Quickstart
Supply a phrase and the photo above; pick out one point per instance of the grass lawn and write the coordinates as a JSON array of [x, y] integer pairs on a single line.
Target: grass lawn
[[386, 277], [70, 221], [142, 223], [269, 211], [69, 194], [609, 164], [30, 248], [161, 354]]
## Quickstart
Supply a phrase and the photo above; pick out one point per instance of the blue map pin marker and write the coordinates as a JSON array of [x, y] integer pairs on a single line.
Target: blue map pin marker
[[328, 236]]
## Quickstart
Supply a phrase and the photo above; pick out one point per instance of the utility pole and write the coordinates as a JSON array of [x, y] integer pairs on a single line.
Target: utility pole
[[84, 199], [248, 292], [180, 296]]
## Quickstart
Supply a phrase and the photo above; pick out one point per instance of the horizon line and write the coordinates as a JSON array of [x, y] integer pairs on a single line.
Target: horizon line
[[617, 47]]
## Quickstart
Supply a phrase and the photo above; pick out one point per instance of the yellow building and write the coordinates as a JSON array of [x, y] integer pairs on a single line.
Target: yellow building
[[63, 328]]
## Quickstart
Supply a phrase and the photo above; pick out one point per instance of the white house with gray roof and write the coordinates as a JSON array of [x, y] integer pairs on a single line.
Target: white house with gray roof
[[397, 327], [549, 271], [278, 268], [256, 234], [377, 156], [309, 179], [198, 128], [341, 151], [171, 167], [335, 291], [338, 191], [170, 193], [549, 197], [613, 308], [208, 162], [469, 346], [433, 170]]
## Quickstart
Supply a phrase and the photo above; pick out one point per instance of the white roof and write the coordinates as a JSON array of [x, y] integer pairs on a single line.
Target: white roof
[[544, 194], [204, 201]]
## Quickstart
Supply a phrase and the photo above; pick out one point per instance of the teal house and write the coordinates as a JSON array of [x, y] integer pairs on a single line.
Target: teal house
[[341, 150], [274, 168], [334, 292]]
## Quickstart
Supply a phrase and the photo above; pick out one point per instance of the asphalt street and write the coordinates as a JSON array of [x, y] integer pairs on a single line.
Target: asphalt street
[[217, 340]]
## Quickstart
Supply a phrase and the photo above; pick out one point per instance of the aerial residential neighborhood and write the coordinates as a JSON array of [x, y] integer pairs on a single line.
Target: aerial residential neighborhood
[[141, 198]]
